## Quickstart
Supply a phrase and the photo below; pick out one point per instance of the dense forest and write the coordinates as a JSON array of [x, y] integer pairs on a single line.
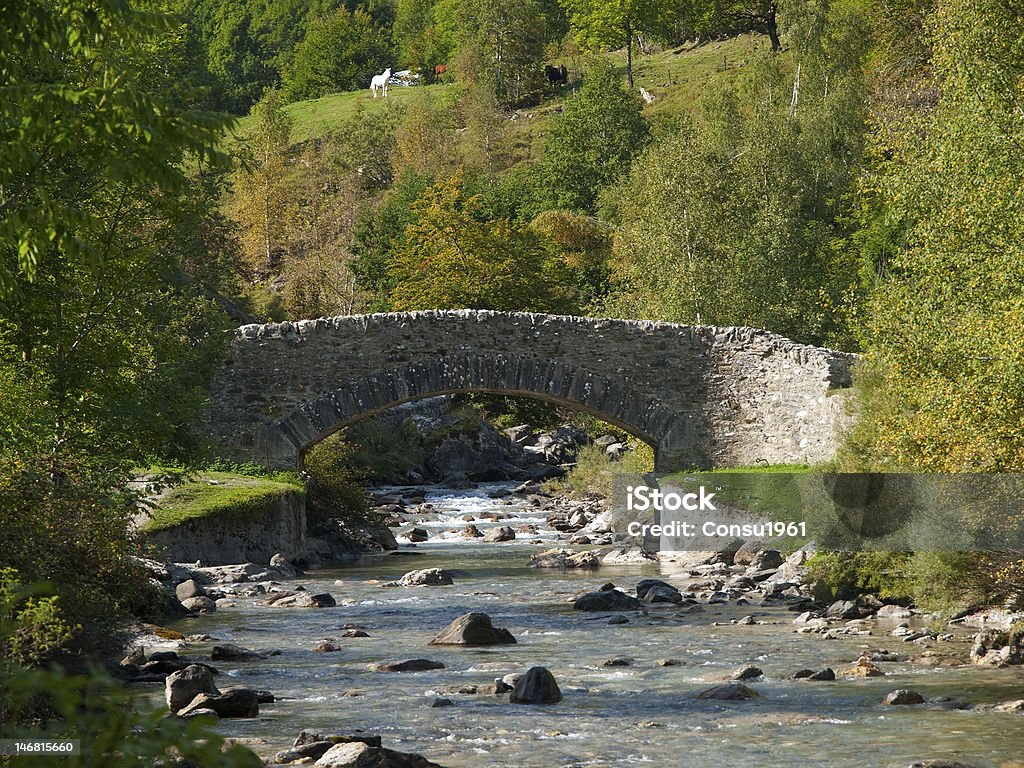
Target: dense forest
[[846, 173]]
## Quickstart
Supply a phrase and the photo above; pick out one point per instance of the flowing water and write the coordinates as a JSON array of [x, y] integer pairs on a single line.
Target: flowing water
[[610, 716]]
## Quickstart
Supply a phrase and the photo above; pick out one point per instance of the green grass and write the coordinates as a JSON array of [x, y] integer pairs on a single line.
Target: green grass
[[218, 494], [319, 117], [676, 77]]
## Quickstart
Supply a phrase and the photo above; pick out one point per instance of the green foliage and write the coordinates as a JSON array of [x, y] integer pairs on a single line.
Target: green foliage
[[79, 126], [33, 628], [334, 488], [67, 524], [50, 703], [339, 53], [99, 319], [452, 258], [383, 451], [844, 575], [592, 143], [594, 470], [738, 217], [376, 230], [944, 331], [601, 24]]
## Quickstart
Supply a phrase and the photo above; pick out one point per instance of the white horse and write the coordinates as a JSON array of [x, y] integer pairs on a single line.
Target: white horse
[[381, 81]]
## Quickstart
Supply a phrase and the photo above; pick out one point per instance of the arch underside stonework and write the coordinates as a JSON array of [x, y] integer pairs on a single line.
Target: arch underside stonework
[[700, 395], [611, 400]]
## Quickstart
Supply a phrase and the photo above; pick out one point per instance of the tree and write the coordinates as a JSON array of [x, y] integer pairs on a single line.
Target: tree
[[501, 44], [738, 217], [600, 24], [452, 258], [592, 143], [261, 193], [944, 335], [340, 52], [93, 302]]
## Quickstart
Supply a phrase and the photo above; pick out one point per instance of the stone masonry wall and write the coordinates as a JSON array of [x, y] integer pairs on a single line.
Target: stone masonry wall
[[700, 395]]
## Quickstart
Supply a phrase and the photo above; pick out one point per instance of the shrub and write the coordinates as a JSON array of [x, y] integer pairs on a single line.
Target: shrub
[[70, 525], [49, 703], [335, 490]]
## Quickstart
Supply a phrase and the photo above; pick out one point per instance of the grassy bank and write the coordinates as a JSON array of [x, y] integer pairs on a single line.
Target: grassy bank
[[218, 494]]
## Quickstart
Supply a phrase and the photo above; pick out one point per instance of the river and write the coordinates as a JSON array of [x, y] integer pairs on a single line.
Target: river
[[642, 714]]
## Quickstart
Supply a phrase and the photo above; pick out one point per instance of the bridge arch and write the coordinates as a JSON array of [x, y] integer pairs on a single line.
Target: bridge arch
[[701, 395], [611, 399]]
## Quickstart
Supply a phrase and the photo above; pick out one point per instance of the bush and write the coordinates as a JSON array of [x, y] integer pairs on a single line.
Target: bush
[[69, 525], [844, 575], [335, 490], [48, 703], [595, 469]]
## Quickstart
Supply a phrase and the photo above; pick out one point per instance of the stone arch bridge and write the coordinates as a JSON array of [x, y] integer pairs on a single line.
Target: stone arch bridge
[[700, 395]]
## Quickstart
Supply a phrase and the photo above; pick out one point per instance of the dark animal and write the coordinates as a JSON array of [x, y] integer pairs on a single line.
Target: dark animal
[[557, 75]]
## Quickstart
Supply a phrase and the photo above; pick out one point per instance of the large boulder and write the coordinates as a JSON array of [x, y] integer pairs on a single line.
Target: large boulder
[[239, 702], [302, 600], [428, 577], [607, 600], [473, 629], [996, 648], [903, 697], [501, 533], [199, 604], [657, 591], [183, 686], [357, 754], [229, 652], [537, 686], [564, 558], [187, 589]]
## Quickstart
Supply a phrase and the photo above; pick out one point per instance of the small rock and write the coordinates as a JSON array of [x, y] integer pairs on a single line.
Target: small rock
[[501, 533], [728, 692], [229, 652], [303, 600], [473, 629], [199, 604], [825, 674], [326, 647], [903, 697], [657, 591], [240, 702], [618, 620], [192, 713], [417, 535], [441, 702], [618, 661], [428, 577], [748, 673], [409, 665], [564, 558], [607, 600]]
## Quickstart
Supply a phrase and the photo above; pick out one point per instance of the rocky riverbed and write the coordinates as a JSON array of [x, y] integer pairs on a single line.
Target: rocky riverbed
[[724, 658]]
